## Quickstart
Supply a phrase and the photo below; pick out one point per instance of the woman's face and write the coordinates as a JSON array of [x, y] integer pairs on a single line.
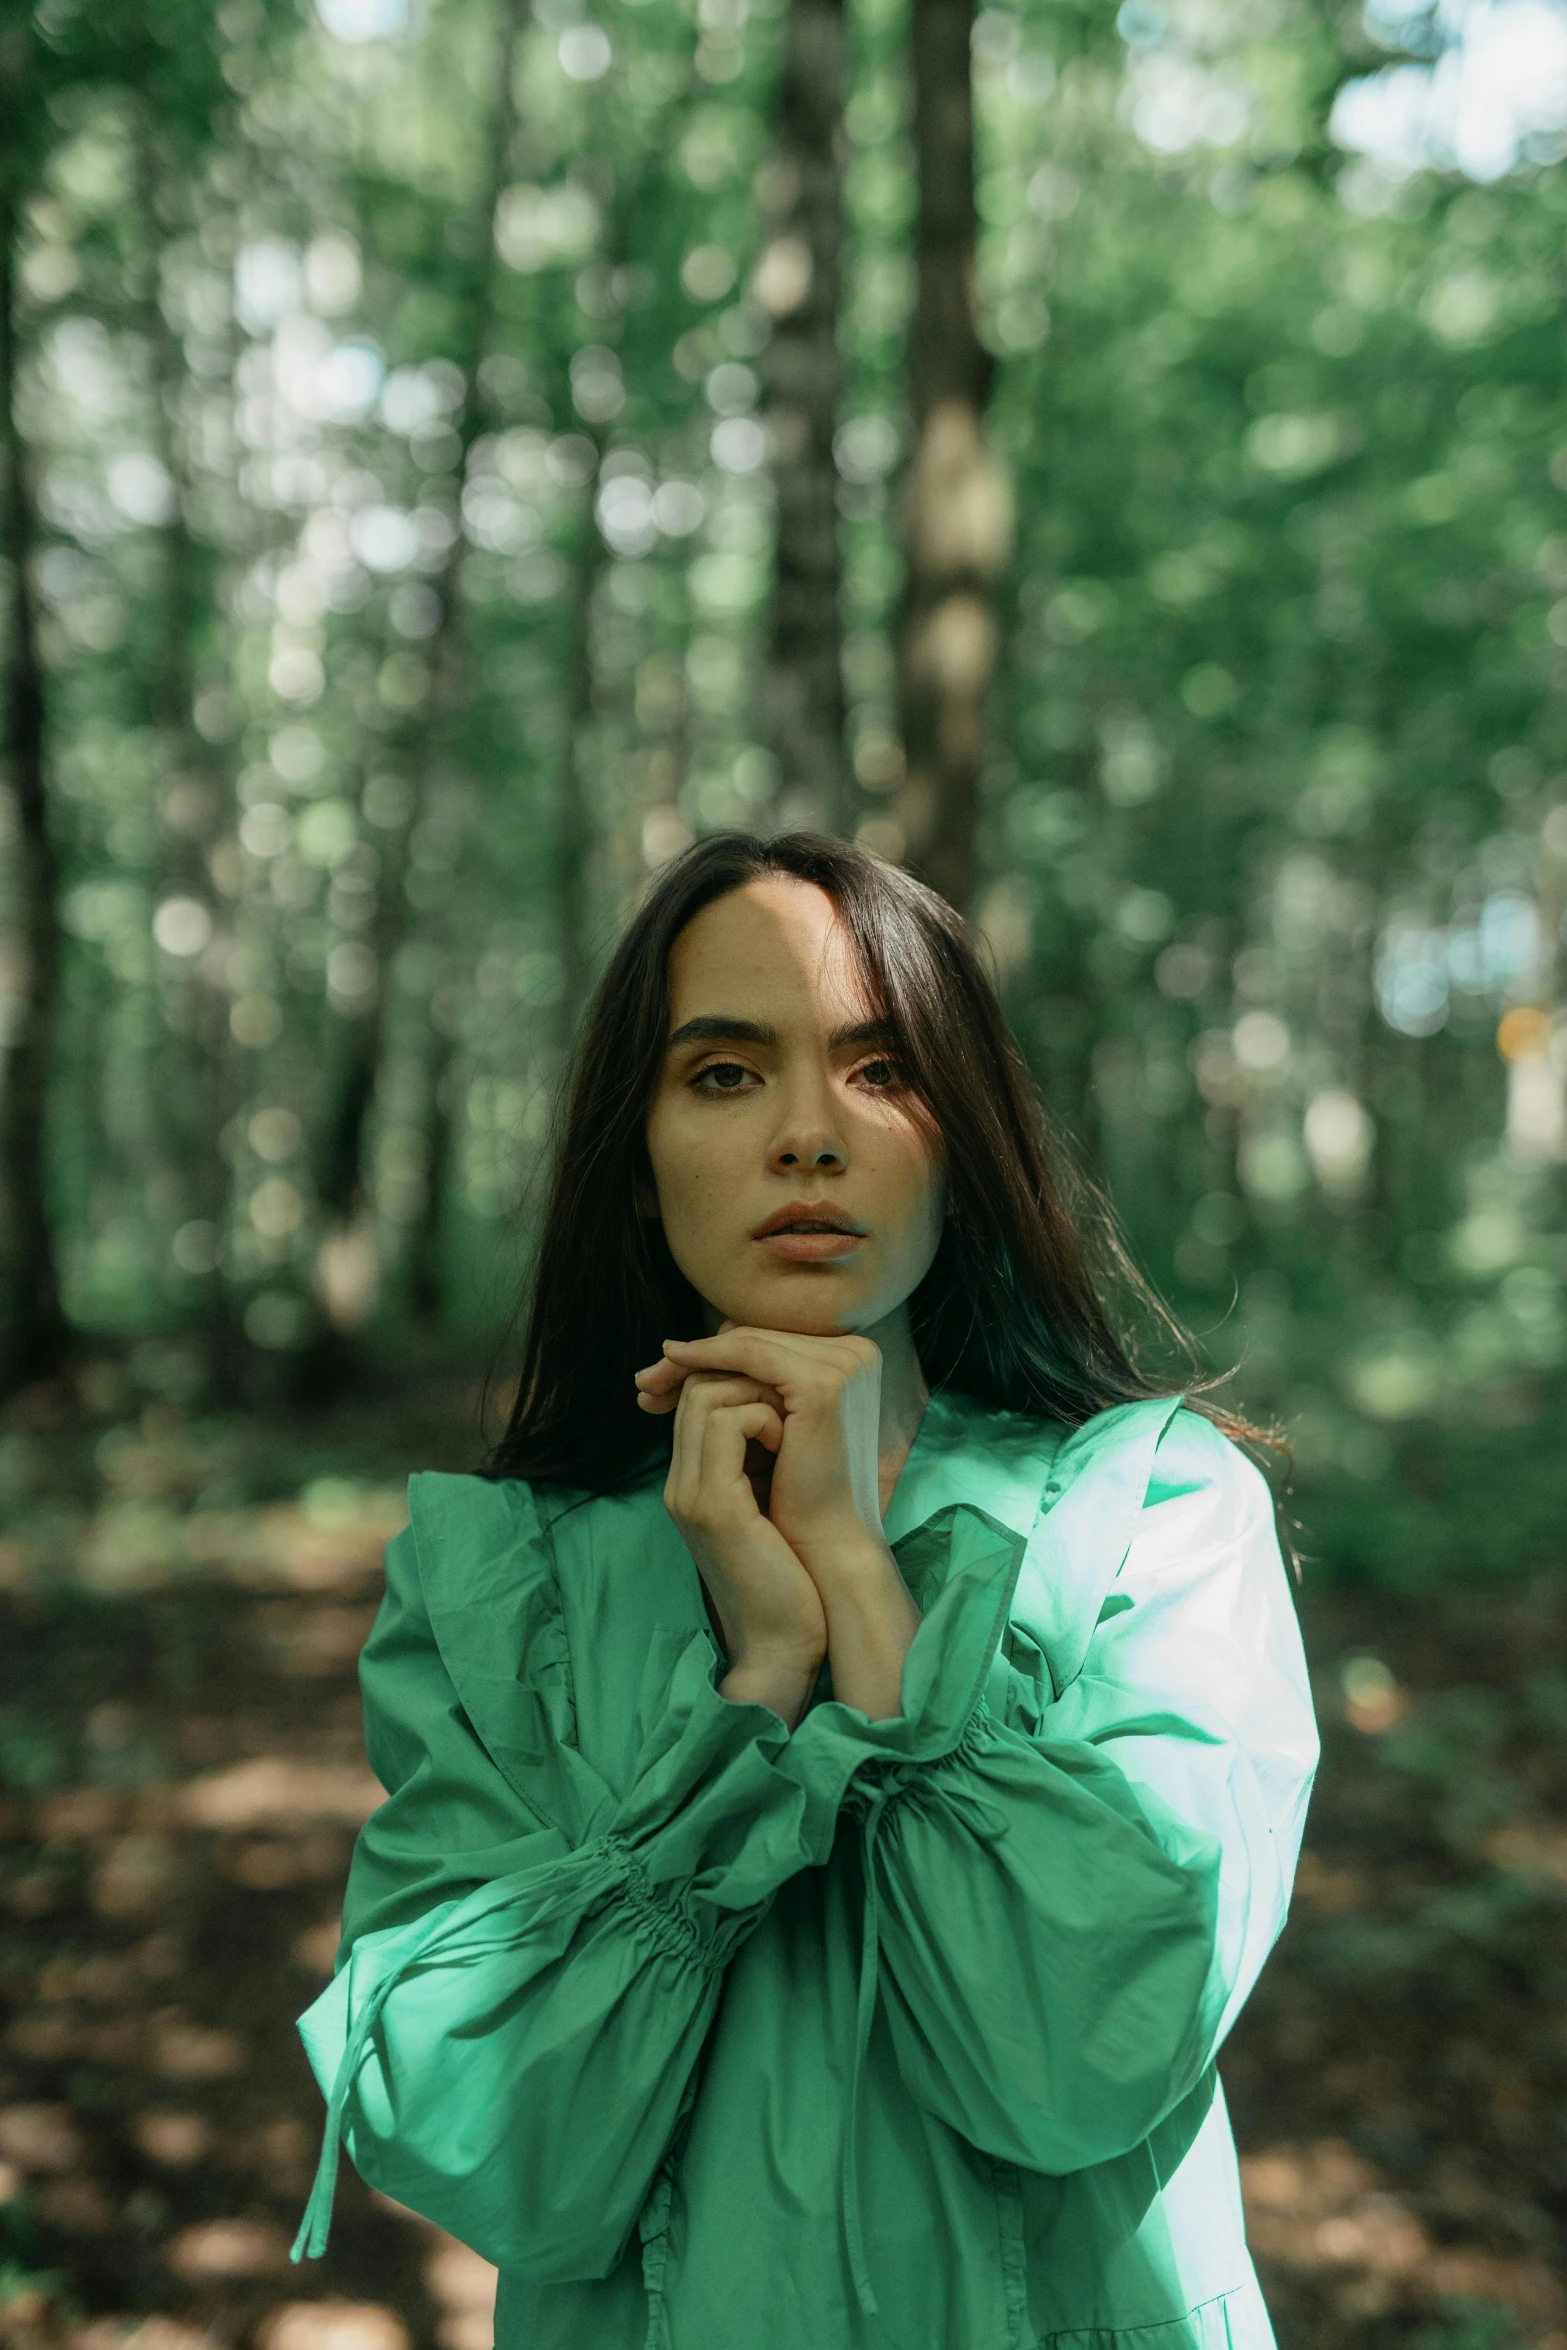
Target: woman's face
[[777, 1092]]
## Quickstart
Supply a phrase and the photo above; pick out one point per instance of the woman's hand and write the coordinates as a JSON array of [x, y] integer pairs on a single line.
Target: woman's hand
[[825, 1499], [817, 1403], [774, 1628]]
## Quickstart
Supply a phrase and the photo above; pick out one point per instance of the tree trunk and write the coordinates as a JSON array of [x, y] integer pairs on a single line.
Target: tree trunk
[[575, 828], [34, 1341], [340, 1168], [958, 515], [198, 803], [799, 280], [576, 817], [426, 1285]]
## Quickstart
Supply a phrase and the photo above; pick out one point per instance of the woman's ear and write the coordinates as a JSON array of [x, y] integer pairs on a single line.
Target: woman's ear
[[645, 1198]]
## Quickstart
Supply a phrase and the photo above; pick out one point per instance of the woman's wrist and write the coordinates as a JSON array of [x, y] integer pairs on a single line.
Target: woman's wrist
[[872, 1618], [782, 1683], [847, 1559]]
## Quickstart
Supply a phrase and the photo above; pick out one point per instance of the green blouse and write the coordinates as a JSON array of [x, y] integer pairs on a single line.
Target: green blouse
[[873, 2035]]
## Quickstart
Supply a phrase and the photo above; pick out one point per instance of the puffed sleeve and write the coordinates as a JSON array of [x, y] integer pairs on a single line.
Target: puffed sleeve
[[1075, 1871], [529, 1964]]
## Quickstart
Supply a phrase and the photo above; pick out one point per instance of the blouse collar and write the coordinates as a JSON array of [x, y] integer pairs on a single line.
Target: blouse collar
[[968, 1451]]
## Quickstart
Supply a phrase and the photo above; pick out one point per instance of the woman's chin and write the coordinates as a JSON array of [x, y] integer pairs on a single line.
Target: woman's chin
[[803, 1317]]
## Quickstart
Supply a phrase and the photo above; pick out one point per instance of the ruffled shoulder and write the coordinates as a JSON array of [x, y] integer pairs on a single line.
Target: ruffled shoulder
[[487, 1572], [1088, 1514]]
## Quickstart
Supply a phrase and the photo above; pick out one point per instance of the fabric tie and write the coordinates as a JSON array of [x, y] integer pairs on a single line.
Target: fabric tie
[[989, 1824], [316, 2225], [450, 1926]]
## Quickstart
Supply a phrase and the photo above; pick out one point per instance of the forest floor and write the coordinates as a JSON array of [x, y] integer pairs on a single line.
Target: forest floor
[[181, 1606]]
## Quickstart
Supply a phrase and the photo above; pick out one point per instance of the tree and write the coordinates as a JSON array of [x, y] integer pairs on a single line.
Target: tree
[[799, 280], [180, 112], [35, 1337], [342, 1140], [957, 521]]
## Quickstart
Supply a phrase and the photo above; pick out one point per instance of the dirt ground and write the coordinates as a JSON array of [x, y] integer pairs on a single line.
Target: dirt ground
[[180, 1613]]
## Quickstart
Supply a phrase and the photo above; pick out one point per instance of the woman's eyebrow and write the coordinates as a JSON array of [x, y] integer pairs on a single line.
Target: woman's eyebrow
[[728, 1028]]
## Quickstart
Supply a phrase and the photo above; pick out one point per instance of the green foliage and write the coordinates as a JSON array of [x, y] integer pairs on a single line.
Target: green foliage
[[389, 394], [1278, 791]]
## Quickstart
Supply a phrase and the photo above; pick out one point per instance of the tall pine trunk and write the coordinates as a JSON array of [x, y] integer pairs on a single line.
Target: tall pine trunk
[[958, 512], [33, 1336], [799, 280]]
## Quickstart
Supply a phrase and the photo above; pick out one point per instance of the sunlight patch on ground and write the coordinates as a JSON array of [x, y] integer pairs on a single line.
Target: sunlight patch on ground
[[154, 1529], [1321, 2210], [463, 2286], [277, 1790], [333, 2325], [213, 2248], [142, 2333]]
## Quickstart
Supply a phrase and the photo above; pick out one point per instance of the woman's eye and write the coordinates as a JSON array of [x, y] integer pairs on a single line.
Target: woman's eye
[[883, 1075], [728, 1073]]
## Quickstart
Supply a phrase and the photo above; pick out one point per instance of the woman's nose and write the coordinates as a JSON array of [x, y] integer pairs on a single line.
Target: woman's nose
[[824, 1156], [808, 1139]]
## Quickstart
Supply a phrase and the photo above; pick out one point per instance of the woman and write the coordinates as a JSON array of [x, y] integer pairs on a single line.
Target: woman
[[846, 1761]]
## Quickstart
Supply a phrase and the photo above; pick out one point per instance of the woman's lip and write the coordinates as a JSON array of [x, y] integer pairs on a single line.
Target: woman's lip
[[808, 1247]]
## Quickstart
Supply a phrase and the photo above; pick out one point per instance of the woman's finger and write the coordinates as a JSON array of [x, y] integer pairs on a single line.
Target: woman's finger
[[665, 1375], [658, 1381], [663, 1378], [659, 1386], [703, 1398], [693, 1415], [719, 1386], [705, 1458], [792, 1362], [725, 1433], [727, 1349], [718, 1389]]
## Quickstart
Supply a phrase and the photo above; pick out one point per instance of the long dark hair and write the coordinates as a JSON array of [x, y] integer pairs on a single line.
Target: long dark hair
[[1016, 1307]]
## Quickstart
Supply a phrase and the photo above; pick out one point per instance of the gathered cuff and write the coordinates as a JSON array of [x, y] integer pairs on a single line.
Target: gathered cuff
[[659, 1912], [720, 1813], [538, 1908]]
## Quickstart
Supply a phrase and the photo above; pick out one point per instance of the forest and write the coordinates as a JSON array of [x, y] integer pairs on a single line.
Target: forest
[[458, 452]]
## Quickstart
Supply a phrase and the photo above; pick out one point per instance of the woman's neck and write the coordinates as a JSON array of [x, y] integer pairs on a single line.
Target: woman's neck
[[904, 1395]]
